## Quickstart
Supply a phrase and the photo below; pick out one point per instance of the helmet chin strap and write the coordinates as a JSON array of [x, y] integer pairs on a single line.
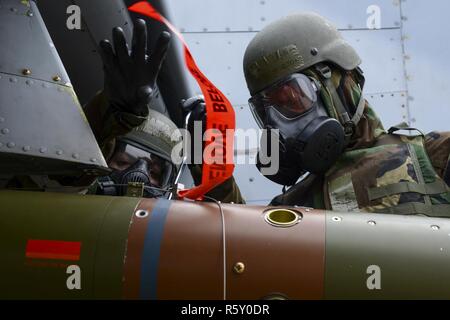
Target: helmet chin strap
[[348, 123]]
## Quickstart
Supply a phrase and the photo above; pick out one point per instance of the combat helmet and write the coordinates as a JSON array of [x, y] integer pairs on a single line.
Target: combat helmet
[[292, 44], [158, 135]]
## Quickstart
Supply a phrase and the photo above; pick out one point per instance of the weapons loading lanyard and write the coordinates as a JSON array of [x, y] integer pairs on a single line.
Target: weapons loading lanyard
[[219, 116]]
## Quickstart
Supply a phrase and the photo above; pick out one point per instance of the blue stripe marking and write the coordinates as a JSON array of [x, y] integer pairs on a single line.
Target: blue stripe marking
[[151, 251]]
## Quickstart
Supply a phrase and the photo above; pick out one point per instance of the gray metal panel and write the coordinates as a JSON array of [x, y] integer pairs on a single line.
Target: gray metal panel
[[391, 107], [42, 127], [252, 15], [382, 58], [40, 57], [427, 52]]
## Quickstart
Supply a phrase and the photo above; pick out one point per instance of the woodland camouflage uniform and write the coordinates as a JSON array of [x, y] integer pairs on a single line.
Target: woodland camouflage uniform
[[379, 171]]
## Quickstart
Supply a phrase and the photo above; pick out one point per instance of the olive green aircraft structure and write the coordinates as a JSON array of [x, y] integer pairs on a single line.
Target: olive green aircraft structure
[[57, 246], [67, 245]]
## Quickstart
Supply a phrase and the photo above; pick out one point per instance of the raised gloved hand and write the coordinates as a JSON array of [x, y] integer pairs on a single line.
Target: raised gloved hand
[[130, 77]]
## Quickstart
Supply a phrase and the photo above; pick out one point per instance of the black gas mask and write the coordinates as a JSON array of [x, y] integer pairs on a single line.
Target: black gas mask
[[309, 140], [138, 173], [134, 166]]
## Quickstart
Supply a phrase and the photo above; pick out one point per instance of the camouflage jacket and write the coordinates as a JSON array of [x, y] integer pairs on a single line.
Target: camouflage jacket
[[379, 171]]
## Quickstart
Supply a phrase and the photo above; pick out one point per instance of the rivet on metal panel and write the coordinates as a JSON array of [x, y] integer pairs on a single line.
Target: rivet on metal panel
[[314, 51], [59, 152], [30, 13], [26, 148], [13, 9], [336, 219], [371, 223], [11, 145], [263, 19], [26, 72], [141, 213], [2, 119], [56, 78], [435, 227], [75, 155], [227, 29], [5, 131], [239, 268], [43, 150], [13, 80], [93, 160], [29, 82], [251, 179], [262, 2]]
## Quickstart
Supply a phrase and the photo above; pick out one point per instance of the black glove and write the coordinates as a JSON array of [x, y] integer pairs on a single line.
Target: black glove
[[197, 109], [130, 77]]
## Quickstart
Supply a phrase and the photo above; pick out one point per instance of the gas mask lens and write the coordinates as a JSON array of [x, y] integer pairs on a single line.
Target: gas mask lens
[[292, 97]]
